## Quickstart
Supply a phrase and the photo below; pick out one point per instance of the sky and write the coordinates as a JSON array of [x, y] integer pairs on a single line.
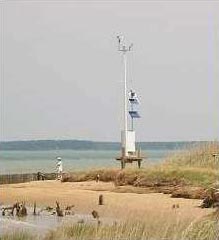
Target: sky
[[62, 76]]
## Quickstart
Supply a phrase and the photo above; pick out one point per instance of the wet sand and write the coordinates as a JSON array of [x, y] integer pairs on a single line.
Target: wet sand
[[84, 195]]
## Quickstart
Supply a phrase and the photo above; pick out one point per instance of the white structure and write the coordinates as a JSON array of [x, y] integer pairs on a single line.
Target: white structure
[[128, 133]]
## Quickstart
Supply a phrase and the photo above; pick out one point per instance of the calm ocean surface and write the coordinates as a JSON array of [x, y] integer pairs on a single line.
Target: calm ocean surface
[[45, 161]]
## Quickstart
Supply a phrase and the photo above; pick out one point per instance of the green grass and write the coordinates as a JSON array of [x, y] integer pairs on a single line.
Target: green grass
[[200, 156], [18, 235], [149, 228], [194, 167], [161, 175], [145, 230]]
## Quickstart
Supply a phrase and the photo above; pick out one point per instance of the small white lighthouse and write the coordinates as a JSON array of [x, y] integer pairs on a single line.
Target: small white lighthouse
[[128, 145]]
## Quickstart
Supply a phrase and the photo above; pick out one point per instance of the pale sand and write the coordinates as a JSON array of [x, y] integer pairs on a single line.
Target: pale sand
[[84, 195]]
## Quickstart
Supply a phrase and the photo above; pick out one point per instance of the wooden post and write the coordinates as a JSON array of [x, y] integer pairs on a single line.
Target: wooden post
[[122, 163], [101, 199], [34, 209], [139, 163]]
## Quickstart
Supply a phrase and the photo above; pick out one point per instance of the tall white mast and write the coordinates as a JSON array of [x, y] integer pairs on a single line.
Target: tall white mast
[[125, 92], [122, 47]]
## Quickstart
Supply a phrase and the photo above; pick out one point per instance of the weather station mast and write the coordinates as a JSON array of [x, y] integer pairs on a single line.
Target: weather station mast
[[129, 153]]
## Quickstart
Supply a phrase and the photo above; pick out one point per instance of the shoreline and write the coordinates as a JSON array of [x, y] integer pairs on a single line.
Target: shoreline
[[84, 195]]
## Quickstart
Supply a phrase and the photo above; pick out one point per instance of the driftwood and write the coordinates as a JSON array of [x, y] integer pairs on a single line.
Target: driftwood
[[59, 211], [56, 211], [9, 210], [49, 209], [175, 206], [21, 210], [68, 210], [100, 199], [95, 214], [212, 199], [34, 209], [69, 207]]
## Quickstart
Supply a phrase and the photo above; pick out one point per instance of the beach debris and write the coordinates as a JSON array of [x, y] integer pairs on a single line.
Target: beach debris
[[174, 206], [21, 210], [95, 214], [98, 222], [59, 211], [212, 198], [100, 199], [8, 210], [69, 207], [34, 209], [49, 209], [188, 192], [40, 176], [68, 210], [81, 221]]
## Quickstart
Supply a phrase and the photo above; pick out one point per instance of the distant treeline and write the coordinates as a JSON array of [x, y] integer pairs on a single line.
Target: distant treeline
[[39, 145]]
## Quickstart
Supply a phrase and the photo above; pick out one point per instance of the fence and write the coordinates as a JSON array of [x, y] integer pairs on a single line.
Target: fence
[[26, 177]]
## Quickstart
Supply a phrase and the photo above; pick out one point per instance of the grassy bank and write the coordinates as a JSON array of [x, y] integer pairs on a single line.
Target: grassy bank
[[200, 156], [184, 174], [187, 182], [150, 177], [159, 229]]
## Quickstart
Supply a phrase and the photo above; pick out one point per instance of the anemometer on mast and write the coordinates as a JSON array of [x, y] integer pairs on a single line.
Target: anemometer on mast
[[129, 153]]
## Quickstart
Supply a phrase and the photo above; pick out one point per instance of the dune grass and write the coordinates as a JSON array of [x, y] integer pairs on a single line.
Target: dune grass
[[160, 175], [201, 156], [158, 229], [149, 228], [18, 235]]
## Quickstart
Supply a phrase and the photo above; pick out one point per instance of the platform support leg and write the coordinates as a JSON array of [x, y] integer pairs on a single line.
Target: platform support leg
[[122, 163], [139, 163]]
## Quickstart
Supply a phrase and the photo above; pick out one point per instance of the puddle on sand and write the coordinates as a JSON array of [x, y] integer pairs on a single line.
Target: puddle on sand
[[44, 222]]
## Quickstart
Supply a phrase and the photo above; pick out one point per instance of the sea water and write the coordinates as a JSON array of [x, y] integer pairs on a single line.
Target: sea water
[[73, 160], [42, 223]]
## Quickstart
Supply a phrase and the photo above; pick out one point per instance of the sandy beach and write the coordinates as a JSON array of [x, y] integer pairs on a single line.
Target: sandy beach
[[84, 195]]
